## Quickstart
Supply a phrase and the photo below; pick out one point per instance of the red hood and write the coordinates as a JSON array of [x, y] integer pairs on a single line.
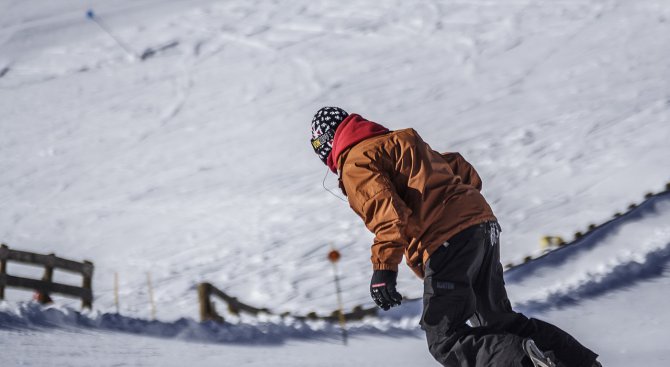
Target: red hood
[[352, 131]]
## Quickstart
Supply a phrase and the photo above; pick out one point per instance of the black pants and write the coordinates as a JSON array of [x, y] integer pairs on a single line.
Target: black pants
[[464, 281]]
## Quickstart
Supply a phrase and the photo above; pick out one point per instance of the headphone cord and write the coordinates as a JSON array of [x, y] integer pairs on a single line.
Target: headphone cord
[[324, 186]]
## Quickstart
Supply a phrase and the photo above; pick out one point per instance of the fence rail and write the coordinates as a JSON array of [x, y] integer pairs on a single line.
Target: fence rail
[[235, 307], [45, 286]]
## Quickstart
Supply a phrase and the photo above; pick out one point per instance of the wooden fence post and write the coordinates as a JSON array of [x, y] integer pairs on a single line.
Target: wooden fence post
[[87, 285], [207, 309], [43, 296], [3, 271], [204, 290]]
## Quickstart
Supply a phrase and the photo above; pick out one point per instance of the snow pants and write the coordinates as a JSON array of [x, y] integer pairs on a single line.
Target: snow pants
[[464, 281]]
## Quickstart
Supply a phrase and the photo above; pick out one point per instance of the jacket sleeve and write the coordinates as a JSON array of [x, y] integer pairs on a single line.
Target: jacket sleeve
[[373, 197], [462, 168]]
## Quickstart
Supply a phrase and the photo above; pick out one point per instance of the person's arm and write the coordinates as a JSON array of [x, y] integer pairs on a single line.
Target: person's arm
[[374, 198], [462, 168]]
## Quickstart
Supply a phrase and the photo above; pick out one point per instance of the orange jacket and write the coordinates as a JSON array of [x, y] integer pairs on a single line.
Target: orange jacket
[[411, 197]]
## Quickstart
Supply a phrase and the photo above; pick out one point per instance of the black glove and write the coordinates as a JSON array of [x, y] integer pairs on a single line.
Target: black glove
[[382, 289]]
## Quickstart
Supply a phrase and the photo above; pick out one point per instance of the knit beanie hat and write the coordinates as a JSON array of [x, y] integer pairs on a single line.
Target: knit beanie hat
[[324, 125]]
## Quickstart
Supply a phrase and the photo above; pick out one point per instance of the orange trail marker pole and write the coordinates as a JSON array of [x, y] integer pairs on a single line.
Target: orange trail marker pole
[[334, 257]]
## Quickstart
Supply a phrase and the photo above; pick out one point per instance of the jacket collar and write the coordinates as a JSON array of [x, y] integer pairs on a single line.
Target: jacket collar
[[352, 131]]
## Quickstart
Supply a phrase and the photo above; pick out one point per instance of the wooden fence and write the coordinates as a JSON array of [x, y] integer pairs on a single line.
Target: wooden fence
[[46, 286], [235, 307]]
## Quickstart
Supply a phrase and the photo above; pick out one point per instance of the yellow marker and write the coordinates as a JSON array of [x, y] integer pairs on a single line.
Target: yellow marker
[[548, 242]]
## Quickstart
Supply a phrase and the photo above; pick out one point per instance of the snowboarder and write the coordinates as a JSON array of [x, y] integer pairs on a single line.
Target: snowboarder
[[428, 207]]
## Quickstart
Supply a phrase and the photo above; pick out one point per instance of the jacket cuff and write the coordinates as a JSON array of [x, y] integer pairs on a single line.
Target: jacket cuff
[[392, 267]]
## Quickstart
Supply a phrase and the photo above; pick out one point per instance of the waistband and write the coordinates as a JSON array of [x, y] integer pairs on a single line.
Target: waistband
[[489, 226]]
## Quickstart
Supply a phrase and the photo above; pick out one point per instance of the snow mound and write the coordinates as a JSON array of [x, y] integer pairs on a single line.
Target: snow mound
[[268, 330], [628, 250]]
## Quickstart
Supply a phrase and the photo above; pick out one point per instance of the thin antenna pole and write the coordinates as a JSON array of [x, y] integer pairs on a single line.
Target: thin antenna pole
[[91, 15]]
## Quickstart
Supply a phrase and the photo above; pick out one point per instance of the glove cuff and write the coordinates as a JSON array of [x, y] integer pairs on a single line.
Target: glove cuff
[[380, 266], [383, 278]]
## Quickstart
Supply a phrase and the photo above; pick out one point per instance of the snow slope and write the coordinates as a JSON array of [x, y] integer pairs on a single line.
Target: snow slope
[[194, 164], [592, 301]]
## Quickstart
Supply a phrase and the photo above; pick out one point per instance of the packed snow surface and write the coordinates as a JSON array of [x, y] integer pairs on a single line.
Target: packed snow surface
[[584, 302], [186, 156]]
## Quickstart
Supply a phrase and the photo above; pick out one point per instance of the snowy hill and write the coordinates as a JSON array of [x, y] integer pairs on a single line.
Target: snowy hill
[[194, 164]]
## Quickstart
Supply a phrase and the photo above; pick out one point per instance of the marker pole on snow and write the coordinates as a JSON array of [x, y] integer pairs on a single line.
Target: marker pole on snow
[[334, 257], [91, 15], [152, 304], [116, 291]]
